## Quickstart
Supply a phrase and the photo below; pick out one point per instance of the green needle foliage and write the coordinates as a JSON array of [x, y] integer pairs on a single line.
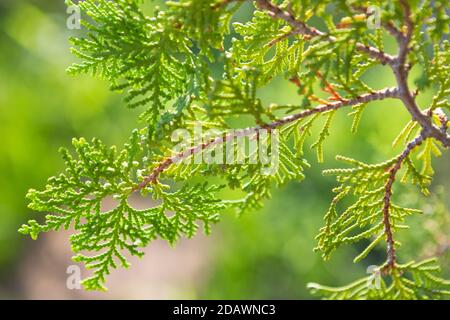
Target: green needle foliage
[[166, 63]]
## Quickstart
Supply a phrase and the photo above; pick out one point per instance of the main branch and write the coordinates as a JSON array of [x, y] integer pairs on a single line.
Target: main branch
[[401, 71]]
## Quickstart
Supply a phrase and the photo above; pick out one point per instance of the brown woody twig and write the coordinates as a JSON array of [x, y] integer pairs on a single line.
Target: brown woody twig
[[365, 98]]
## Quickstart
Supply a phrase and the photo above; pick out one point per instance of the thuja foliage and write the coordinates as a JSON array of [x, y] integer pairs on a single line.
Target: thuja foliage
[[164, 64]]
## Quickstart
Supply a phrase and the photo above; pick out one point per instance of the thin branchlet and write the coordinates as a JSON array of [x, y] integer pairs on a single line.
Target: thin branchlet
[[301, 27], [389, 26], [387, 200], [334, 105]]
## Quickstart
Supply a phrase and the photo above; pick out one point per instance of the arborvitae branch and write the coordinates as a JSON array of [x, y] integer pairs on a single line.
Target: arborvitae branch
[[398, 63], [401, 70], [387, 198], [300, 27], [163, 64], [379, 95]]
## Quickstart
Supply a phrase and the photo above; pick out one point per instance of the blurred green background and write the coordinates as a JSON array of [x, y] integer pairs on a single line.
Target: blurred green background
[[263, 255]]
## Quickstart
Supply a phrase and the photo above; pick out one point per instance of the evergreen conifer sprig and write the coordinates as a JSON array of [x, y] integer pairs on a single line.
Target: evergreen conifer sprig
[[163, 64]]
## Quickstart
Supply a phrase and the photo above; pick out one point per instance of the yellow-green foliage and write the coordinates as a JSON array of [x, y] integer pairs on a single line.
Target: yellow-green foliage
[[166, 63]]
